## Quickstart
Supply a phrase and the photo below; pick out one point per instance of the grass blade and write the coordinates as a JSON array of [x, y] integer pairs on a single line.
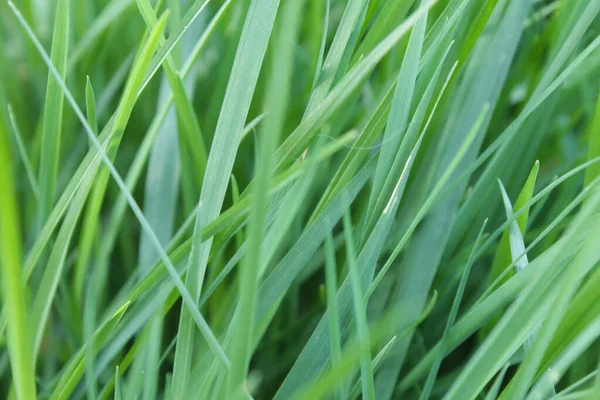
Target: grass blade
[[13, 286], [368, 386], [53, 113]]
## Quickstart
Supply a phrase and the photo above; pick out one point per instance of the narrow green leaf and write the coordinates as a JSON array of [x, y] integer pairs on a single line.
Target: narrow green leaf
[[399, 112], [90, 105], [495, 389], [594, 147], [503, 254], [332, 312], [13, 286], [53, 113], [366, 371], [23, 153]]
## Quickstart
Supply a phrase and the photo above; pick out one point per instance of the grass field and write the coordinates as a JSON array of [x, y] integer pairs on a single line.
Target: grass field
[[300, 199]]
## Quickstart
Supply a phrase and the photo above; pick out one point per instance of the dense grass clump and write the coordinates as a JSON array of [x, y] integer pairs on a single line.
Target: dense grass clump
[[300, 199]]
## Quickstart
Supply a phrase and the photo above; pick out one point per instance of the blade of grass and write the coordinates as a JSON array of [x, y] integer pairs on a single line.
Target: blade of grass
[[53, 113], [13, 286], [332, 312], [356, 390], [594, 147], [495, 389], [366, 370], [23, 153]]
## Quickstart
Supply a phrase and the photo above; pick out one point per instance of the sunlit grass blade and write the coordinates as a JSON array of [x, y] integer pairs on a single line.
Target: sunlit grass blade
[[19, 344]]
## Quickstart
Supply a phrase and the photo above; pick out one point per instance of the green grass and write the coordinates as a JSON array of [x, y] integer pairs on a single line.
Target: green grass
[[217, 199]]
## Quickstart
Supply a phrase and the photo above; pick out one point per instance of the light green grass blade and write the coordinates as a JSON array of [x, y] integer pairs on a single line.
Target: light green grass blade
[[23, 153], [594, 147], [117, 384], [90, 105], [426, 393], [366, 371], [503, 253], [278, 92], [240, 89], [53, 113], [13, 286]]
